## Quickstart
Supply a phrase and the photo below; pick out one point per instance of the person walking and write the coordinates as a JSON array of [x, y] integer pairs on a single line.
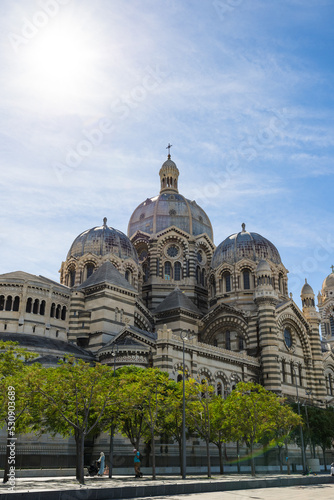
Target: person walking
[[101, 460], [137, 463]]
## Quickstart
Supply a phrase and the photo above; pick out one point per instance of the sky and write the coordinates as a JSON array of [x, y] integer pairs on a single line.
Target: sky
[[93, 92]]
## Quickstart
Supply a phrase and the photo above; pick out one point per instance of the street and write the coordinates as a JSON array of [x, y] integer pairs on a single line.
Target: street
[[323, 491]]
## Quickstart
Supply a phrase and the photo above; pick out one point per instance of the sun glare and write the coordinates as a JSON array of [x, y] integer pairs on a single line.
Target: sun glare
[[59, 64]]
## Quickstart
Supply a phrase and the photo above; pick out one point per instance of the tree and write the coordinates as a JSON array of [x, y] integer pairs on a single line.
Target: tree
[[13, 394], [154, 388], [143, 392], [256, 414], [320, 427], [171, 421], [199, 397], [219, 430], [72, 399], [130, 421]]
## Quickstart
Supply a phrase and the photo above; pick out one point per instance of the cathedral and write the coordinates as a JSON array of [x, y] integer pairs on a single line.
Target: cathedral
[[141, 298]]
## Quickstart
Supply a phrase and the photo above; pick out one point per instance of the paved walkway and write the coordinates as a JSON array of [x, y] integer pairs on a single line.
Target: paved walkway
[[67, 488]]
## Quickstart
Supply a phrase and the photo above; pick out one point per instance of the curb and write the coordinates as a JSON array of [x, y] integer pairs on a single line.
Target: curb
[[177, 488]]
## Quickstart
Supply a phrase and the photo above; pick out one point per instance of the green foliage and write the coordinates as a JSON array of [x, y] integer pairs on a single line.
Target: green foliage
[[257, 415], [72, 399]]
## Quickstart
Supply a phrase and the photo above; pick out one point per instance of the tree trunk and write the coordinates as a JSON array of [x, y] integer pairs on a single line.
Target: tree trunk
[[111, 450], [153, 455], [180, 456], [238, 461], [252, 460], [324, 455], [221, 463], [225, 453], [208, 457], [280, 459], [80, 445], [287, 457]]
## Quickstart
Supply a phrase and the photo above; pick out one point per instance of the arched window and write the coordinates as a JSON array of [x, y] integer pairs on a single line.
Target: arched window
[[331, 322], [29, 305], [292, 373], [145, 272], [219, 389], [212, 286], [89, 269], [241, 343], [228, 340], [72, 276], [63, 313], [280, 282], [226, 281], [35, 308], [16, 304], [9, 303], [42, 308], [300, 375], [177, 271], [283, 371], [198, 275], [2, 302], [179, 377], [58, 312], [246, 279], [53, 310], [128, 275], [330, 384], [203, 277], [167, 271]]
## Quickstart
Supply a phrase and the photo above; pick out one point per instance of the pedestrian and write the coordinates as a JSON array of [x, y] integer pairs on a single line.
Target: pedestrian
[[101, 460], [137, 463]]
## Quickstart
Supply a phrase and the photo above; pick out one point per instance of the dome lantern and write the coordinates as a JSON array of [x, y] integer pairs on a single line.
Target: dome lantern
[[169, 174]]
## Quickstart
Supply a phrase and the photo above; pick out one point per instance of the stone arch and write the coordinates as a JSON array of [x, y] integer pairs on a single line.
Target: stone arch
[[173, 238], [224, 323], [141, 322], [204, 373], [301, 330], [178, 370], [71, 272], [220, 376]]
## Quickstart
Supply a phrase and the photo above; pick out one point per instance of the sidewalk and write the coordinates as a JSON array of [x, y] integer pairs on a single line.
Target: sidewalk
[[67, 488]]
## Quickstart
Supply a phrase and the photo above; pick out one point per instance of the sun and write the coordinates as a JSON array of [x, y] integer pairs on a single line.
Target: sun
[[58, 64]]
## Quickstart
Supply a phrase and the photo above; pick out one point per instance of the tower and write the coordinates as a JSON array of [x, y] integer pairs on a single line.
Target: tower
[[266, 299]]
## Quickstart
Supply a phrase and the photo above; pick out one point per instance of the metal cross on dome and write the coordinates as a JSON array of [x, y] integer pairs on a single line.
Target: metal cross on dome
[[168, 147], [332, 269]]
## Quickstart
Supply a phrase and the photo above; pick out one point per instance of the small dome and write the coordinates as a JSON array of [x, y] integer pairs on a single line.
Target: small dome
[[307, 289], [328, 282], [245, 245], [263, 267], [103, 240]]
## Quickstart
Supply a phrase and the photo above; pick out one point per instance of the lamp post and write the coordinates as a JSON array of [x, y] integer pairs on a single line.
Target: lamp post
[[184, 336], [112, 430], [300, 425]]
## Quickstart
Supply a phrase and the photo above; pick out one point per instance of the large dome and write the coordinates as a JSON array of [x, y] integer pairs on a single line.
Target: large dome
[[245, 245], [169, 208], [159, 213], [103, 240]]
